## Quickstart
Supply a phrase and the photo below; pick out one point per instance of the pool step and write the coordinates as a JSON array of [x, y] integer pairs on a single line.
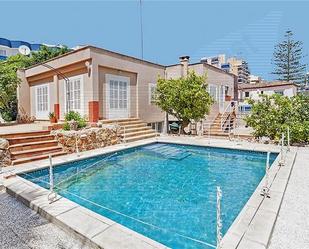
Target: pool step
[[167, 151]]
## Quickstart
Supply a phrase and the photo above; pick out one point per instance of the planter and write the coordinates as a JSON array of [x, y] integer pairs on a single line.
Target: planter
[[53, 120]]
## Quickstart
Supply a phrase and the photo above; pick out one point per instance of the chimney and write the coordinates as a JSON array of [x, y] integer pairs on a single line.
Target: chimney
[[184, 61]]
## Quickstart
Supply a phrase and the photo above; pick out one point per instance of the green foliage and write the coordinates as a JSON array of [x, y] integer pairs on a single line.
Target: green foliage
[[72, 115], [185, 98], [51, 115], [287, 58], [8, 84], [9, 80], [272, 115], [46, 53]]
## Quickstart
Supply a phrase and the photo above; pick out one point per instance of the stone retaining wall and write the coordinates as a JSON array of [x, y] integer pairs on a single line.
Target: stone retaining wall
[[88, 139], [5, 156]]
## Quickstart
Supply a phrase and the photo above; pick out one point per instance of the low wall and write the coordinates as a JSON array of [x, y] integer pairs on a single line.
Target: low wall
[[5, 156], [88, 139]]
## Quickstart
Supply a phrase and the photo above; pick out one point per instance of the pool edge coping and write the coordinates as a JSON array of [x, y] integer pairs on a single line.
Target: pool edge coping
[[230, 236]]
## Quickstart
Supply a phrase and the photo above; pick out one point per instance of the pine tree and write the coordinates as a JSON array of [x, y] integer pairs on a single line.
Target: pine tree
[[287, 59]]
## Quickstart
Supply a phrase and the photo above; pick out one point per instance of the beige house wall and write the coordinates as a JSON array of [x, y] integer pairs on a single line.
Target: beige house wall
[[141, 74], [92, 65], [23, 94]]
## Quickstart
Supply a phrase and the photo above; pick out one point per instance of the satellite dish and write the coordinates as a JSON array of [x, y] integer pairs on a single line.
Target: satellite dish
[[24, 50]]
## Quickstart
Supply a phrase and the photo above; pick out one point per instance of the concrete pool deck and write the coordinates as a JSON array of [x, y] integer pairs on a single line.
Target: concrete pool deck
[[252, 228]]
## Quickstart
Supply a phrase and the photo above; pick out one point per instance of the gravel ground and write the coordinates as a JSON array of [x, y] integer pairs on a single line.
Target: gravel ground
[[22, 228], [292, 226]]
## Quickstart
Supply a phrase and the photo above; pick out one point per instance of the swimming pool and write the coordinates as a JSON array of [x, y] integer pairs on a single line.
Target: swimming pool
[[164, 191]]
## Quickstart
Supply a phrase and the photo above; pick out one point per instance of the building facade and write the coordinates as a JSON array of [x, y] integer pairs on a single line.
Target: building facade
[[238, 67], [102, 84], [254, 91]]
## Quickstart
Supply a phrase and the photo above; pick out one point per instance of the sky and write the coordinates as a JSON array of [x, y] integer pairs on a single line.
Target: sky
[[246, 29]]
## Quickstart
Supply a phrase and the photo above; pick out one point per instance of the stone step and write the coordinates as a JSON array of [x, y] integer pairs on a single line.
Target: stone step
[[25, 134], [38, 157], [137, 133], [130, 125], [35, 152], [125, 123], [140, 137], [28, 139], [134, 129], [119, 121], [33, 145]]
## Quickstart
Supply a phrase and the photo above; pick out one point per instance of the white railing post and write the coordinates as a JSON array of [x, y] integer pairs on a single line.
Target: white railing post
[[124, 134], [288, 138], [52, 194], [265, 190], [76, 143], [281, 161], [209, 125], [219, 221]]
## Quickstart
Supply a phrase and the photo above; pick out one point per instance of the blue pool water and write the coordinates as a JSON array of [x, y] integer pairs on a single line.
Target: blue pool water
[[164, 191]]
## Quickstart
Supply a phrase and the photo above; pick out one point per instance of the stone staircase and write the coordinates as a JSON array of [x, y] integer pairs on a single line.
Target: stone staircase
[[31, 146], [215, 127], [132, 129]]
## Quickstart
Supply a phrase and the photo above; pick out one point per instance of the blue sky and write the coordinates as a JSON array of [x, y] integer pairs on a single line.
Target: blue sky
[[247, 29]]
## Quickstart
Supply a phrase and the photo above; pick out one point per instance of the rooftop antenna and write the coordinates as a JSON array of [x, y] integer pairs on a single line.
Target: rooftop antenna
[[141, 23]]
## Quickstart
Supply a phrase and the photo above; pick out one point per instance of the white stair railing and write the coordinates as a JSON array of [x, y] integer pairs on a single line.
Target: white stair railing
[[226, 115]]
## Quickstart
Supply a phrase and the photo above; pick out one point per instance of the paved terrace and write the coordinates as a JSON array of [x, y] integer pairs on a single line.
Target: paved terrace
[[292, 226]]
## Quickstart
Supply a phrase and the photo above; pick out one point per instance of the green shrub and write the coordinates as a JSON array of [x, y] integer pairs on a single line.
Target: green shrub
[[72, 115], [272, 115]]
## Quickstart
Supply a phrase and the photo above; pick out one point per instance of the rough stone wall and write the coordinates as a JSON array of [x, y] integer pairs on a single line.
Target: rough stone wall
[[5, 156], [88, 139]]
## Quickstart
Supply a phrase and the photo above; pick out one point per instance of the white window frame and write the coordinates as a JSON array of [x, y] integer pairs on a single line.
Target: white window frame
[[3, 52], [42, 114], [216, 99], [117, 112], [81, 109], [151, 101]]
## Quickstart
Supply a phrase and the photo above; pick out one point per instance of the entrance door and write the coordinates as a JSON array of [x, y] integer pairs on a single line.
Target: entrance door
[[118, 96]]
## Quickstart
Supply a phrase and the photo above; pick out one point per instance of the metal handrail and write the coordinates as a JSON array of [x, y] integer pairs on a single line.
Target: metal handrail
[[226, 114]]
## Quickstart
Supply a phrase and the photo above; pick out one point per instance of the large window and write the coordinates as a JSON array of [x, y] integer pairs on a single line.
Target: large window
[[42, 98], [73, 95], [42, 101], [213, 92], [152, 93], [118, 94]]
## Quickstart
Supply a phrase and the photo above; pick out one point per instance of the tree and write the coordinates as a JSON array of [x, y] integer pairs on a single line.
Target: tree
[[272, 115], [46, 53], [287, 59], [185, 98], [9, 80]]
